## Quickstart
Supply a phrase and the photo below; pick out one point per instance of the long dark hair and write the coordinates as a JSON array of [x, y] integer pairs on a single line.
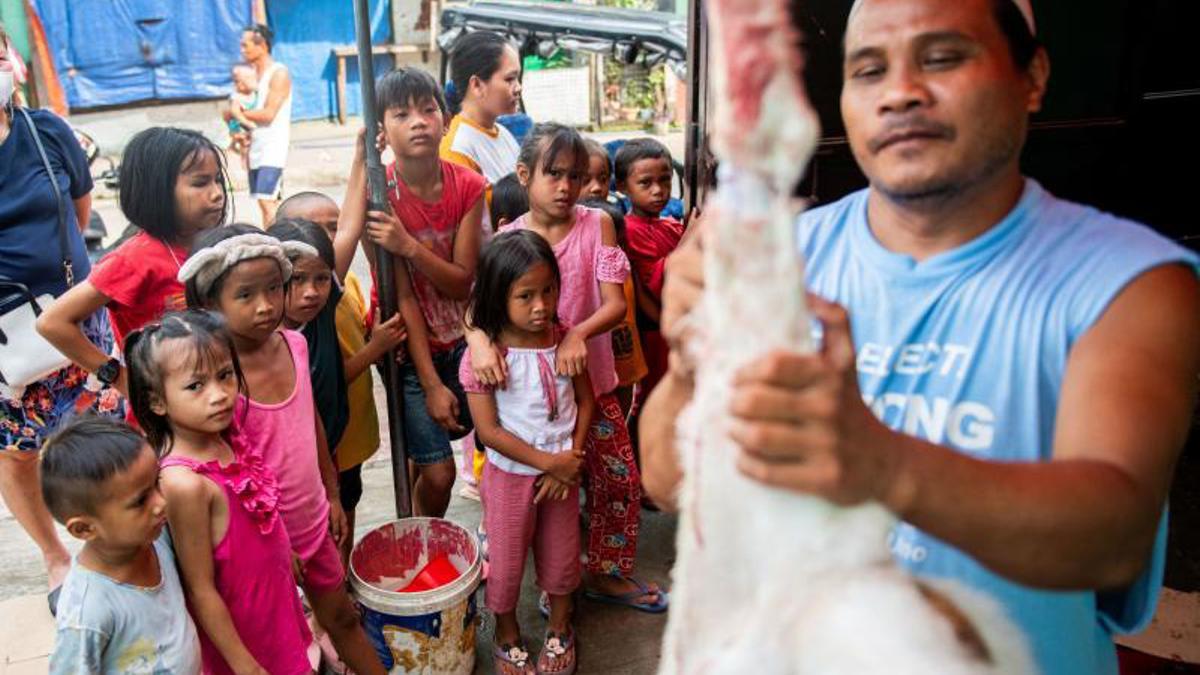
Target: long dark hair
[[150, 166], [209, 339], [503, 260], [475, 54]]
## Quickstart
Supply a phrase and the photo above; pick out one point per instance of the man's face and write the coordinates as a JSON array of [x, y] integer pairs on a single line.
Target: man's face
[[932, 101], [252, 46]]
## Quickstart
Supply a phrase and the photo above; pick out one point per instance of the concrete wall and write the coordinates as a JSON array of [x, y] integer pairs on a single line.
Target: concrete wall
[[112, 129]]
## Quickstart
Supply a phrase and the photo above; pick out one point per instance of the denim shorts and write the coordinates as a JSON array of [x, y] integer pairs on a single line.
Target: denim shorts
[[266, 182], [426, 442]]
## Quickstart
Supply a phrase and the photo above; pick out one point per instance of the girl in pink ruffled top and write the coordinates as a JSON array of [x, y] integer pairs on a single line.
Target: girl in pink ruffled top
[[551, 168], [232, 546]]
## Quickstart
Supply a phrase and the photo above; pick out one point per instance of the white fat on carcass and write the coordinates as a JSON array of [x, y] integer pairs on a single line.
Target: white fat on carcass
[[766, 580]]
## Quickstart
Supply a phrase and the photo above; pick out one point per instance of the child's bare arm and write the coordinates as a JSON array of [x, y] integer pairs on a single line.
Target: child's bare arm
[[612, 295], [572, 351], [440, 402], [60, 325], [386, 336], [354, 210], [550, 487], [189, 512], [338, 526], [585, 402], [452, 277], [486, 361]]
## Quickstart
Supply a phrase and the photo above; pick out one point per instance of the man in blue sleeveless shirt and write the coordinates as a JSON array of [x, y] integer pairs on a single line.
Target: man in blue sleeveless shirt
[[1021, 374]]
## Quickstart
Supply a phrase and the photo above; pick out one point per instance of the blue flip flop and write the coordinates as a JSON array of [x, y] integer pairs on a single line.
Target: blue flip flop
[[627, 599]]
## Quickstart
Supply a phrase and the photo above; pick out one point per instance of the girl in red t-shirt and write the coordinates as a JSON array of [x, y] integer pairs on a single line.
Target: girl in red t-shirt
[[436, 231], [172, 187]]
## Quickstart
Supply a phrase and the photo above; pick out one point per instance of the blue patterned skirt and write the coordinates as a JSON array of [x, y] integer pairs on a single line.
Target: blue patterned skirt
[[26, 421]]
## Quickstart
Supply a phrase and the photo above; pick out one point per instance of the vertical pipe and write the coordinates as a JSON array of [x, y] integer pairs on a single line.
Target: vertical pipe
[[697, 113], [385, 271]]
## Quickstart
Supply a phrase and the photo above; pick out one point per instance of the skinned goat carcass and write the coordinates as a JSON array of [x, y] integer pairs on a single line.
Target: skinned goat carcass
[[769, 581]]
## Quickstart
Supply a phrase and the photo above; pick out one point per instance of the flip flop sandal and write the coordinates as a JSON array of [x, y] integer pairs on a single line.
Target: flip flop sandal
[[558, 654], [627, 599], [483, 543], [511, 660]]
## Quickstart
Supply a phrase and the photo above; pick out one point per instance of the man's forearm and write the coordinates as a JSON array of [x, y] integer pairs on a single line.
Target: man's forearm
[[661, 472], [1069, 524]]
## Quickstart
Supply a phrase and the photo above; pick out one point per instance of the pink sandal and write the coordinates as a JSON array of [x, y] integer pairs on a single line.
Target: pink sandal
[[511, 660], [558, 654]]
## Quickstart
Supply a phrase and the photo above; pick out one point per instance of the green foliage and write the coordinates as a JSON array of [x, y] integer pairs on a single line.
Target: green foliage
[[629, 4]]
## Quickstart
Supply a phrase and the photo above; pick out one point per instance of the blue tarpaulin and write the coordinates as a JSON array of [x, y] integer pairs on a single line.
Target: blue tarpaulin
[[122, 51], [306, 31]]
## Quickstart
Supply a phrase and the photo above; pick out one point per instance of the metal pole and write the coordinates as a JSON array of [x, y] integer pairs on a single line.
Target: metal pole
[[385, 271], [695, 152]]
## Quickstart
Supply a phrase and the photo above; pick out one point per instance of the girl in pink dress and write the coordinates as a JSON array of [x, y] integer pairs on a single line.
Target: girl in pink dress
[[240, 272], [551, 167], [231, 544]]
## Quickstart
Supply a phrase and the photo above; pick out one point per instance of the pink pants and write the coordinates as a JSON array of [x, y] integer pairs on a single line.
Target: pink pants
[[514, 523]]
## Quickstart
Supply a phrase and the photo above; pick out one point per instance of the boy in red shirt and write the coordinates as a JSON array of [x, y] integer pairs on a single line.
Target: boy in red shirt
[[643, 172], [435, 234]]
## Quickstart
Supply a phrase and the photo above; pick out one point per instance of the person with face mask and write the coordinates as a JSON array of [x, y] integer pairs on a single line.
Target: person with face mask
[[29, 255]]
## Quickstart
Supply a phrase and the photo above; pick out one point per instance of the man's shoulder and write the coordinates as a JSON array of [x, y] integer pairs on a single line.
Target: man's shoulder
[[1062, 228], [833, 214], [826, 225]]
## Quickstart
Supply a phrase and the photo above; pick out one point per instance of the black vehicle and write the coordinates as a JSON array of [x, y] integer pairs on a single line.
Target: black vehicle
[[539, 28]]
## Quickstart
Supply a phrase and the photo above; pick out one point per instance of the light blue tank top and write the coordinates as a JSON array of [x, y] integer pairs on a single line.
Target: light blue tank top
[[968, 349]]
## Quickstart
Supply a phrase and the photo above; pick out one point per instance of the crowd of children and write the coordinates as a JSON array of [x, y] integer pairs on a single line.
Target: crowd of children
[[246, 362]]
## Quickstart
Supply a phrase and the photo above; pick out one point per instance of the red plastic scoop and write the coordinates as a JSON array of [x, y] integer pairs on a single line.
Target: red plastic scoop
[[435, 574]]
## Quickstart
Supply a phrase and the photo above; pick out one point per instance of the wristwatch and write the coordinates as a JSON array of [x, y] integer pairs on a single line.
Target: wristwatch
[[109, 372]]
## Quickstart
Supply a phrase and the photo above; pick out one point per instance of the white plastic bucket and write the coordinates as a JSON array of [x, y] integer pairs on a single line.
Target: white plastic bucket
[[426, 632]]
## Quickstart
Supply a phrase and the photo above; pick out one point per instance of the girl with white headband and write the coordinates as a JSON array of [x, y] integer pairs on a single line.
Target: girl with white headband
[[242, 273]]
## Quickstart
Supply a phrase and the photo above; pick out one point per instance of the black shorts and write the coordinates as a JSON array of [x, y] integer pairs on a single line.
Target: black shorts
[[350, 487]]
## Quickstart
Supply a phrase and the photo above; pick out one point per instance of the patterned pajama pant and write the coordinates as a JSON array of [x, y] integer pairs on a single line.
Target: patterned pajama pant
[[614, 492]]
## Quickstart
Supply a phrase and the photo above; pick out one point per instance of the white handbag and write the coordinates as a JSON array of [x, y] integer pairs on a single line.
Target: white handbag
[[25, 356]]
